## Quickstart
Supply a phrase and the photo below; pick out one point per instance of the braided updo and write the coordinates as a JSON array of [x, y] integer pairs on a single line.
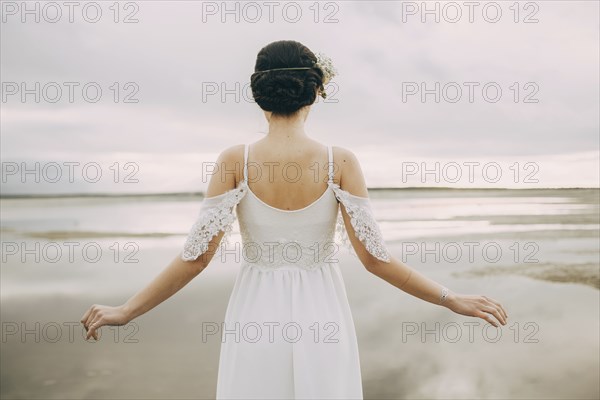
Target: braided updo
[[285, 92]]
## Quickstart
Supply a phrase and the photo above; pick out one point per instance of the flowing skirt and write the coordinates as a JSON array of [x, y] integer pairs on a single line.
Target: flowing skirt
[[288, 333]]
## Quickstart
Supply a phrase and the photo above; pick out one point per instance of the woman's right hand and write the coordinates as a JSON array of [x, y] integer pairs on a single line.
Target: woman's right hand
[[477, 306], [97, 316]]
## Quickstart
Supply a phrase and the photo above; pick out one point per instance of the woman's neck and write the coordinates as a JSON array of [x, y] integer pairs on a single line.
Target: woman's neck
[[287, 128]]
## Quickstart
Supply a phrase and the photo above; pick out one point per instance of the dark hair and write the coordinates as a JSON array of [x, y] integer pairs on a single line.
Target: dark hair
[[285, 92]]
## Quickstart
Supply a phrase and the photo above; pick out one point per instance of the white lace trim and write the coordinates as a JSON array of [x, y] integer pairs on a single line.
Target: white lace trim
[[282, 251], [364, 223], [216, 215]]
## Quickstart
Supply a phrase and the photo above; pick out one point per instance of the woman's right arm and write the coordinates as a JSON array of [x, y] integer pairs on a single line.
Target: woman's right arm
[[177, 274], [399, 274], [173, 278]]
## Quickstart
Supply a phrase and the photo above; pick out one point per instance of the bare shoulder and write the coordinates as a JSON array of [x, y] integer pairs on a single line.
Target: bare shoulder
[[232, 158], [222, 179], [232, 154], [348, 171], [344, 156]]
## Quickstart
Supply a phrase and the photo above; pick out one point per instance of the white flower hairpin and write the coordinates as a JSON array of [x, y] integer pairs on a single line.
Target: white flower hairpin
[[325, 64]]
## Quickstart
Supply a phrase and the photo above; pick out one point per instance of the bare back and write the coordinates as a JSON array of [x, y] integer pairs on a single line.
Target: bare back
[[287, 175]]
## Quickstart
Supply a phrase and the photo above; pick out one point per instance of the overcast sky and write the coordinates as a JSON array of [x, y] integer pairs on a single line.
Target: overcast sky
[[542, 130]]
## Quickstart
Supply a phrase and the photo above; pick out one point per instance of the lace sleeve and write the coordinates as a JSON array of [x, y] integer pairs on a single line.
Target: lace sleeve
[[364, 223], [216, 215]]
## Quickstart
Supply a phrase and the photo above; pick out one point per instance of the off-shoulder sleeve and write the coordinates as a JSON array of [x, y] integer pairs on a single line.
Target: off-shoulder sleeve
[[363, 222], [216, 215]]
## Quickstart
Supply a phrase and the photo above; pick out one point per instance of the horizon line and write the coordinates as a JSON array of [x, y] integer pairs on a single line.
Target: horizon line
[[195, 194]]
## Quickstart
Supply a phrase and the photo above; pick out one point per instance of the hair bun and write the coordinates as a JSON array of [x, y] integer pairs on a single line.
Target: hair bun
[[284, 92]]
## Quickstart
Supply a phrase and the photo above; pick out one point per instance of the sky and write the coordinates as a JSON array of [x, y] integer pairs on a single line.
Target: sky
[[142, 96]]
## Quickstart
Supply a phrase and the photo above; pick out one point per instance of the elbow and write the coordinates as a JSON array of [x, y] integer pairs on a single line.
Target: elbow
[[374, 265], [197, 269], [196, 265]]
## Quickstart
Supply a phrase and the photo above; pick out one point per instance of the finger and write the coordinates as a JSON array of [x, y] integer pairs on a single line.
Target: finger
[[89, 331], [86, 315], [97, 326], [503, 310], [496, 313], [93, 330], [86, 321], [93, 326], [91, 318], [488, 318], [497, 303]]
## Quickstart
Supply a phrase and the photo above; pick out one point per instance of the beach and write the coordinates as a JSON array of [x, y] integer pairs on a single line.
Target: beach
[[536, 251]]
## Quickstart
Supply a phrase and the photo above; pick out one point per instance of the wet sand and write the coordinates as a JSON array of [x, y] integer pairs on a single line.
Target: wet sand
[[585, 274], [409, 349]]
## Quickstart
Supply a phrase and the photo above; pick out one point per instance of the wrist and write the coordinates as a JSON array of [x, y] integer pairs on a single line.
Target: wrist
[[127, 312], [449, 300]]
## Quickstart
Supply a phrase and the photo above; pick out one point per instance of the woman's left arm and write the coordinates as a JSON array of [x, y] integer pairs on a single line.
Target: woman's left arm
[[416, 284]]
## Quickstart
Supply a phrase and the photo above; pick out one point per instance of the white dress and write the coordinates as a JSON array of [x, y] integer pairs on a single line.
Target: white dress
[[288, 331]]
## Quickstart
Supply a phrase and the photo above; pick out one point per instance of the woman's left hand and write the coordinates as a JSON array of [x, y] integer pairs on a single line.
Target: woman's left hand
[[482, 307]]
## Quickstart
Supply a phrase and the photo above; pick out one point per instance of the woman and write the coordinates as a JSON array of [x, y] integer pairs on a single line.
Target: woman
[[288, 330]]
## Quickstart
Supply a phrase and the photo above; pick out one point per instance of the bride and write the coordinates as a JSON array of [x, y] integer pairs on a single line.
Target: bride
[[303, 288]]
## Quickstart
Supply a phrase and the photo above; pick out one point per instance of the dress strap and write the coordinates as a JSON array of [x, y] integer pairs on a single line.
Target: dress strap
[[330, 161], [245, 176]]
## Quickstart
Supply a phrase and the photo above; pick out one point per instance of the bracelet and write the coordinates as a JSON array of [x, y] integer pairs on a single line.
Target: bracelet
[[444, 294]]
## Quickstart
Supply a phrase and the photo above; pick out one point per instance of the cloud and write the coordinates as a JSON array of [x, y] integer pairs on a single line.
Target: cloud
[[174, 54]]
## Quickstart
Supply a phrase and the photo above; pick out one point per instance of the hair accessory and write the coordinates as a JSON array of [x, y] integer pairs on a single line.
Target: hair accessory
[[324, 63], [281, 69]]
